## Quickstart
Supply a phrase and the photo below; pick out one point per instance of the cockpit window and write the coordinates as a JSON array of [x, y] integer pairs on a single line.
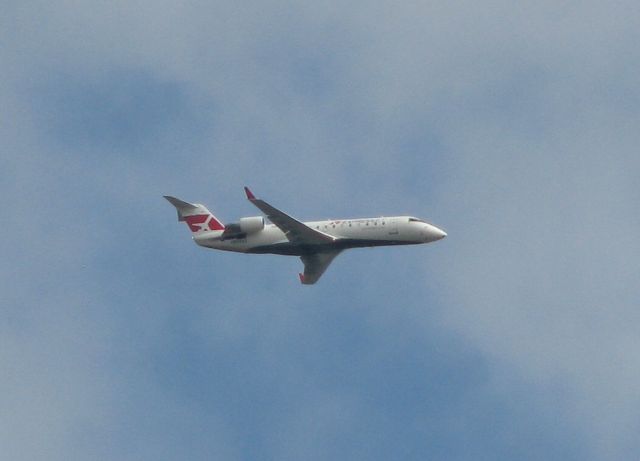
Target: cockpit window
[[416, 220]]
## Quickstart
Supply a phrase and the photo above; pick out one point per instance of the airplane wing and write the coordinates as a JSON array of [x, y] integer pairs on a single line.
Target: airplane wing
[[315, 264], [294, 230]]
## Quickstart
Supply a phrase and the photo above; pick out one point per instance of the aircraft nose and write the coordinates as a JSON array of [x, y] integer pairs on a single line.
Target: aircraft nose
[[433, 233]]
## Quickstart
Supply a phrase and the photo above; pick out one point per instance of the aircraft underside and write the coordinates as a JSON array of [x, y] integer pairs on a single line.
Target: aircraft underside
[[291, 249]]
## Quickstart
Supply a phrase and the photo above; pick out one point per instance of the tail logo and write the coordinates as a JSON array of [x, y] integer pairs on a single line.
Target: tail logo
[[197, 223]]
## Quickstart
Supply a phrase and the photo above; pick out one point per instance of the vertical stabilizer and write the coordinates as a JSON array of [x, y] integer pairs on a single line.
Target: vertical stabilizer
[[197, 216]]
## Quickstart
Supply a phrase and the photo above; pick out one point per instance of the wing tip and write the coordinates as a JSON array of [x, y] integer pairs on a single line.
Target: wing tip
[[250, 195], [304, 280]]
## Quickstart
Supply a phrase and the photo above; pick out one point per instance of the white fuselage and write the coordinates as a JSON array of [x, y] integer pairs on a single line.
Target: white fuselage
[[349, 233], [317, 243]]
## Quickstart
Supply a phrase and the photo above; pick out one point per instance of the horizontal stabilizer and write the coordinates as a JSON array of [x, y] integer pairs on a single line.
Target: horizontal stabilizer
[[181, 206]]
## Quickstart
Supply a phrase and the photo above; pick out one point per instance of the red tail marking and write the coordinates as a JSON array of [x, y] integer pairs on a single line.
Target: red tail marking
[[195, 221], [214, 224], [301, 277]]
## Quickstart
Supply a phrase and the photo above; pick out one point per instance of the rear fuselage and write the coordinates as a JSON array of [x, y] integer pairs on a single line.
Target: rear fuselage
[[348, 233]]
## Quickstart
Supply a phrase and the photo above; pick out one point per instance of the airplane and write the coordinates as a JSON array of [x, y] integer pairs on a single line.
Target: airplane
[[317, 243]]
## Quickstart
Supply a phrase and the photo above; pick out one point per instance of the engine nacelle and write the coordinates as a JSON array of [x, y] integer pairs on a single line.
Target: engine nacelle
[[251, 225]]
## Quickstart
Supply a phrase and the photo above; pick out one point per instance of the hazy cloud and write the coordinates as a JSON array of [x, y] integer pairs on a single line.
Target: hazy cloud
[[514, 128]]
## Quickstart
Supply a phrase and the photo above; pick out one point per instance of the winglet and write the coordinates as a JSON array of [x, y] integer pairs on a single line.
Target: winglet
[[250, 195]]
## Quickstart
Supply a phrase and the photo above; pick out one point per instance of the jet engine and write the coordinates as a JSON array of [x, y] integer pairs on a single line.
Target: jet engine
[[251, 225]]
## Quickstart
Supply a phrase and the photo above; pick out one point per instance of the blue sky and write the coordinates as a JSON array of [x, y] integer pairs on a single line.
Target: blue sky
[[515, 128]]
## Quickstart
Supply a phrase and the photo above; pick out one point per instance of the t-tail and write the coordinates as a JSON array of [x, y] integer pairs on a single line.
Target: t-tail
[[197, 216]]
